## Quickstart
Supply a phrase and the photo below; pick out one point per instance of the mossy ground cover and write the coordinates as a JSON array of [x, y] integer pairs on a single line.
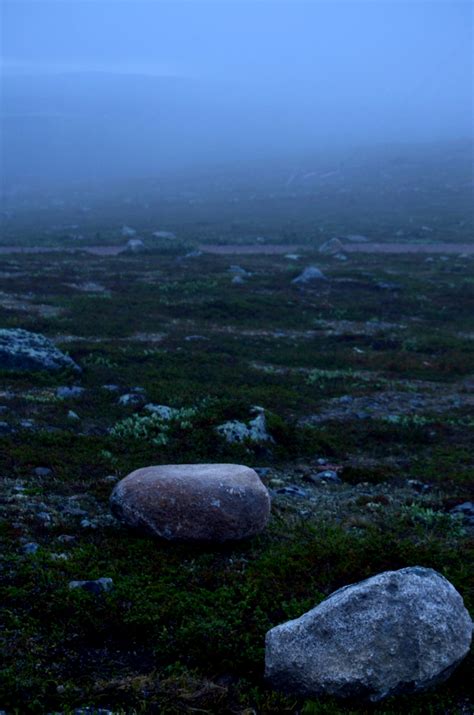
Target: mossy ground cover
[[183, 628]]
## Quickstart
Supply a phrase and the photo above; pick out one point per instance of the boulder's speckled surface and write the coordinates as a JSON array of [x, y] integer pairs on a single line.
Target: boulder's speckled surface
[[399, 631], [22, 350]]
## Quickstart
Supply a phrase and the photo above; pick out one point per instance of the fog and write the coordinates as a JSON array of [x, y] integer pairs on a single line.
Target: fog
[[114, 90]]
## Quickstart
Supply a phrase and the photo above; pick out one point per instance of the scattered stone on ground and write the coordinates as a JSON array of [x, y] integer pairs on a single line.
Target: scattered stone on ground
[[42, 471], [292, 490], [466, 511], [134, 245], [131, 399], [328, 475], [235, 431], [67, 392], [99, 585], [331, 247], [163, 234], [193, 502], [163, 411], [399, 631], [239, 271], [128, 232], [30, 548], [310, 274], [427, 398], [22, 350]]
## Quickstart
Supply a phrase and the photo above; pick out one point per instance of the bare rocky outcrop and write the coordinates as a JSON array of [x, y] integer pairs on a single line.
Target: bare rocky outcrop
[[193, 502], [400, 631], [22, 350]]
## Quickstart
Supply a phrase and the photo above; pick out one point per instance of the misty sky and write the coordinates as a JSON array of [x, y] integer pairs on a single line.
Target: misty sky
[[251, 76]]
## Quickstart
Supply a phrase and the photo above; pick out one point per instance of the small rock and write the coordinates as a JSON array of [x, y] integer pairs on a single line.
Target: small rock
[[329, 475], [235, 431], [65, 393], [387, 285], [193, 502], [27, 424], [165, 412], [66, 538], [309, 275], [399, 631], [466, 509], [100, 585], [130, 399], [331, 247], [418, 486], [30, 548], [42, 472], [134, 245], [44, 517], [128, 232], [292, 490], [239, 271], [22, 350], [111, 388], [73, 416], [87, 524]]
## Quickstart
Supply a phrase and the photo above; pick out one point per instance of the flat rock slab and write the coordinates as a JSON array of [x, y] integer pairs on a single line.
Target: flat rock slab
[[22, 350], [400, 631], [193, 502]]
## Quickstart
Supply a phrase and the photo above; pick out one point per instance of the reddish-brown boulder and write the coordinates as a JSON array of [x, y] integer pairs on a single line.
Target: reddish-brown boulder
[[193, 502]]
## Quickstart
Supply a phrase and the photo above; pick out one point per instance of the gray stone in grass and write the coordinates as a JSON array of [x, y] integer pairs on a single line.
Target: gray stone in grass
[[311, 274], [24, 351], [100, 585], [398, 632]]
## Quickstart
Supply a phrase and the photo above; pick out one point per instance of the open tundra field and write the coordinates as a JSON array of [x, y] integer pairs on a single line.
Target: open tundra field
[[365, 378]]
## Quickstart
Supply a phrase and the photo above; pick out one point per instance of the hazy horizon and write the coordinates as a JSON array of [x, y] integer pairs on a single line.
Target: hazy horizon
[[117, 90]]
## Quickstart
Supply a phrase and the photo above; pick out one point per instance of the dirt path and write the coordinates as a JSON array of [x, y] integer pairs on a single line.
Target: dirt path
[[94, 250], [369, 247], [405, 247], [268, 249], [255, 248]]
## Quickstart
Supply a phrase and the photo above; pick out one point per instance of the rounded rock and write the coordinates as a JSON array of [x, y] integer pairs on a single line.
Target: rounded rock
[[193, 502], [400, 631]]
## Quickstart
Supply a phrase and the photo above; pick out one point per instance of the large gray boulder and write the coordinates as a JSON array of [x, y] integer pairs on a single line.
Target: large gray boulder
[[22, 350], [400, 631], [193, 502]]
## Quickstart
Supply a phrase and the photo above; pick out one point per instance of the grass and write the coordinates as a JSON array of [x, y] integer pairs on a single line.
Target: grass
[[183, 629]]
